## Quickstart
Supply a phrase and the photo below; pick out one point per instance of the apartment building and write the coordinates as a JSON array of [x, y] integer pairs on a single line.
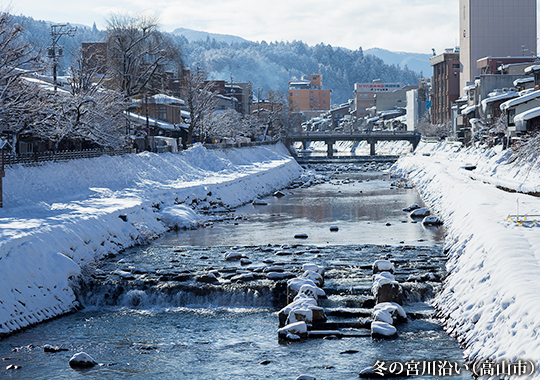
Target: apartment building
[[496, 28], [308, 94], [444, 85]]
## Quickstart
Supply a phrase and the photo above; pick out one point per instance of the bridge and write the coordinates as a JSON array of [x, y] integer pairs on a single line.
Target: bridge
[[372, 137]]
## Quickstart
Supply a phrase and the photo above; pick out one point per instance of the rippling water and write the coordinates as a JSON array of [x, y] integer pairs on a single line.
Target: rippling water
[[147, 316]]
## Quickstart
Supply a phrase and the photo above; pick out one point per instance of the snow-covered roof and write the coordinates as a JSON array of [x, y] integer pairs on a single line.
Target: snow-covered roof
[[499, 97], [532, 69], [166, 99], [522, 99], [154, 122], [527, 115], [467, 109], [462, 99], [519, 81], [468, 88]]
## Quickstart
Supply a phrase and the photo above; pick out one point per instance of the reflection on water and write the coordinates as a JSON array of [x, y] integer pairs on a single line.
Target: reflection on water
[[360, 204]]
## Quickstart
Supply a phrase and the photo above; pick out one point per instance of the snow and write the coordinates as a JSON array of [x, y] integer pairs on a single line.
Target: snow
[[59, 218], [490, 298]]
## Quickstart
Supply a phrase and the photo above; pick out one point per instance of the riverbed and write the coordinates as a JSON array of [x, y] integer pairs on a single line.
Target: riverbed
[[146, 315]]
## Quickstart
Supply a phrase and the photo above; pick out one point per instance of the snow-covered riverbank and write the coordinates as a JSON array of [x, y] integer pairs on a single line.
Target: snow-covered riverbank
[[61, 217], [491, 299]]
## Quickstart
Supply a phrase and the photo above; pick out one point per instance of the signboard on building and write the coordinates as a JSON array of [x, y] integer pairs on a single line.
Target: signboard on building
[[377, 87]]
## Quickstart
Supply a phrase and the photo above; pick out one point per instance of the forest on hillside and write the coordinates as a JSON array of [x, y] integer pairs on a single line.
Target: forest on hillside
[[268, 66]]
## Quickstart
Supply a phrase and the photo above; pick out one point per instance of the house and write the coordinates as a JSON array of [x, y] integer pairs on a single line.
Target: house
[[519, 119], [365, 95]]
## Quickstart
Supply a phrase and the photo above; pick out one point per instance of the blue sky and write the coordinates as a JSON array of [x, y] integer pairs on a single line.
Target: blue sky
[[397, 25]]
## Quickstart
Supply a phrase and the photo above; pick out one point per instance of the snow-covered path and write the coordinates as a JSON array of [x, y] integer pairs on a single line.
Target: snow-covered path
[[491, 298], [61, 217]]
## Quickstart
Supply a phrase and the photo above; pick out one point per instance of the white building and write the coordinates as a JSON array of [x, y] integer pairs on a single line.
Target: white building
[[496, 28]]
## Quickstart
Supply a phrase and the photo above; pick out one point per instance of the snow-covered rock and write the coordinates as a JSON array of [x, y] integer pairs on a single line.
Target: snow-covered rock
[[389, 312], [383, 266], [432, 221], [420, 213], [82, 360], [293, 331], [315, 277], [382, 330]]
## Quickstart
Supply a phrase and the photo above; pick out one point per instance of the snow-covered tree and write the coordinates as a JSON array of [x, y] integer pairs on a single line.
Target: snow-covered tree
[[219, 125], [139, 54], [17, 60], [200, 99]]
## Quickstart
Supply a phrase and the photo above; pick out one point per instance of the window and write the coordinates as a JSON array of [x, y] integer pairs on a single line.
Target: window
[[511, 115], [297, 94], [325, 94], [325, 102], [455, 65], [297, 102]]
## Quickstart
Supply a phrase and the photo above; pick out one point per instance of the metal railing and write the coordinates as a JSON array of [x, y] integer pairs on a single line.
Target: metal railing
[[36, 158]]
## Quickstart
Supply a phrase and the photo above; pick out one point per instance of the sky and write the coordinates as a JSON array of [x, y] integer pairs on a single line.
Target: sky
[[414, 26]]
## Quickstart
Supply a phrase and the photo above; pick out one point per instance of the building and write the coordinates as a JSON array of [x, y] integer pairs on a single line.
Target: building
[[307, 94], [445, 85], [365, 96], [496, 28]]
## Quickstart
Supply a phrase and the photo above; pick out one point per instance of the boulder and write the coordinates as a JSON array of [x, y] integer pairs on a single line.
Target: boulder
[[315, 277], [432, 221], [383, 266], [314, 268], [279, 194], [81, 360], [301, 236], [293, 331], [334, 228], [420, 213], [276, 276], [233, 256], [209, 278], [412, 207], [259, 202], [305, 377], [389, 292], [49, 348], [243, 277], [389, 312], [382, 330]]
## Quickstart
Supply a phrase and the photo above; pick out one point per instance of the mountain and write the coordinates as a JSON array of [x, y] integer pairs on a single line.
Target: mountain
[[414, 61], [195, 35]]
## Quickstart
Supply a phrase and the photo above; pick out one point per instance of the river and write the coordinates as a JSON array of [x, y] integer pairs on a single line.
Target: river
[[146, 315]]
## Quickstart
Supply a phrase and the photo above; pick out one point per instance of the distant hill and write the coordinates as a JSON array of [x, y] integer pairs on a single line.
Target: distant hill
[[414, 61], [195, 35]]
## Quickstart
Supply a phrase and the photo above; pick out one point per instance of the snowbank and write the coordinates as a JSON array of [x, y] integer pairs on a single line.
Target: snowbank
[[60, 218], [491, 298]]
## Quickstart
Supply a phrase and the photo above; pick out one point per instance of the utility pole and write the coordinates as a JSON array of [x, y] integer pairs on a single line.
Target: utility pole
[[56, 51]]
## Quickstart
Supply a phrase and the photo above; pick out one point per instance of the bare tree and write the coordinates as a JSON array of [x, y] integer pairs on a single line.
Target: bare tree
[[139, 53], [200, 99]]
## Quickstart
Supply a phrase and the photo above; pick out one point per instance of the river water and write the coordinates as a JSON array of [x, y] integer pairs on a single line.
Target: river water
[[147, 316]]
